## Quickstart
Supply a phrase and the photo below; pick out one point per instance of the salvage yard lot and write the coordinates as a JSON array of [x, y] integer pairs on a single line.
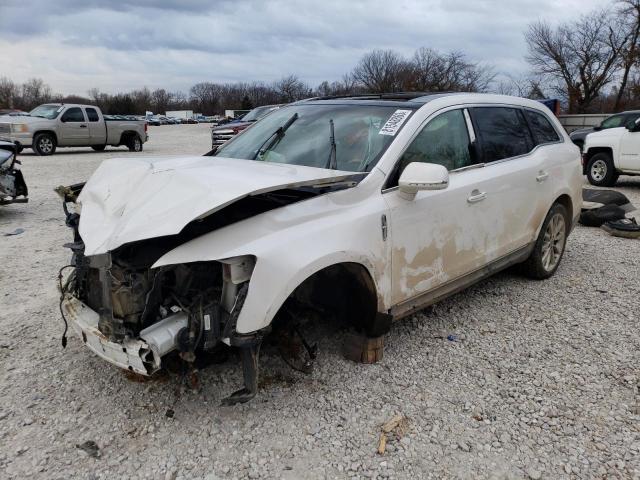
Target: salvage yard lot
[[509, 379]]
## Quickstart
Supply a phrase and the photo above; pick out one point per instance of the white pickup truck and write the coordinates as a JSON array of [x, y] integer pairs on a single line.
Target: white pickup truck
[[609, 153], [55, 125]]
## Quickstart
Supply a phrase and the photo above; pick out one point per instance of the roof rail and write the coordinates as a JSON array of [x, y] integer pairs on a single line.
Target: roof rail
[[381, 96]]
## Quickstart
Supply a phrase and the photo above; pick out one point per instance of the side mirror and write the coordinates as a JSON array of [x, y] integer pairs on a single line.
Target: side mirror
[[597, 128], [423, 176]]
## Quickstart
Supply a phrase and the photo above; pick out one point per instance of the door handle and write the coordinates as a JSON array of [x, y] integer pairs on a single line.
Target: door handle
[[477, 196], [83, 126], [542, 176]]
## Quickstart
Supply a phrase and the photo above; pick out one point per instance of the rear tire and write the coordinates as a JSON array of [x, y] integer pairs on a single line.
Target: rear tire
[[600, 170], [44, 144], [98, 148], [549, 247], [134, 143]]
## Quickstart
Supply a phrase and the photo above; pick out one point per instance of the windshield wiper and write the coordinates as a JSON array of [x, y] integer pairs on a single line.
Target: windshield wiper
[[332, 163], [274, 137]]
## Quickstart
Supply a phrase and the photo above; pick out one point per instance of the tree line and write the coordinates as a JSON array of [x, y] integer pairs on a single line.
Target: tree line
[[377, 71], [591, 63]]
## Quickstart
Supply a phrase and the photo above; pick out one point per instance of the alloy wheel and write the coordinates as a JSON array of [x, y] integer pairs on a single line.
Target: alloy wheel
[[553, 242], [599, 170]]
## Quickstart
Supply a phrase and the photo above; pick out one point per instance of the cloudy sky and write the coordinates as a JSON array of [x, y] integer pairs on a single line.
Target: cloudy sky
[[125, 44]]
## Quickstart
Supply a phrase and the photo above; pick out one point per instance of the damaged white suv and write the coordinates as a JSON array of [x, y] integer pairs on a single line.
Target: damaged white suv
[[367, 207]]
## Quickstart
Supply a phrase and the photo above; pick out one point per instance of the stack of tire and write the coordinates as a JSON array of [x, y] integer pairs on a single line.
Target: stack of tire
[[608, 209]]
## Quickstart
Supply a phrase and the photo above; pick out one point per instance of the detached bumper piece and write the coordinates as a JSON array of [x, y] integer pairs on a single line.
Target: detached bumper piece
[[132, 355], [249, 351]]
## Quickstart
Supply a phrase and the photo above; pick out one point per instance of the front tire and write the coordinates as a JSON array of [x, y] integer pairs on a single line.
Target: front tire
[[98, 148], [600, 170], [135, 144], [44, 144], [550, 244]]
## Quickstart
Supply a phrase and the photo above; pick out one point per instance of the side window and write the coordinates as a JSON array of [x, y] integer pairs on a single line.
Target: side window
[[614, 121], [543, 131], [92, 115], [73, 115], [444, 140], [630, 120], [503, 132]]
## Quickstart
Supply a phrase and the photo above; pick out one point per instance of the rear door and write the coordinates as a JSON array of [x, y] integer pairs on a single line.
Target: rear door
[[516, 180], [97, 128], [73, 128]]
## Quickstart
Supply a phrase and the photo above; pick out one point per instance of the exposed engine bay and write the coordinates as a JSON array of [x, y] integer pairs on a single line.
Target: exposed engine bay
[[133, 315], [13, 188]]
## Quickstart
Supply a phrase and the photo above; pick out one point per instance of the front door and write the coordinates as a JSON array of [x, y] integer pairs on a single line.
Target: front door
[[439, 235], [73, 128], [629, 151]]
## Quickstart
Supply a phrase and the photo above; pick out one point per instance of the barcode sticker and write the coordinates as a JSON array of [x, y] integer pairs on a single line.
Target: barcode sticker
[[394, 123]]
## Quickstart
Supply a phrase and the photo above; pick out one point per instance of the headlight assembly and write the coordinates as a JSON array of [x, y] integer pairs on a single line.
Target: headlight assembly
[[19, 127]]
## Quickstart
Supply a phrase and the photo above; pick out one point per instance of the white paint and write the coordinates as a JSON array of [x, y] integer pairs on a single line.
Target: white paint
[[134, 199], [624, 145]]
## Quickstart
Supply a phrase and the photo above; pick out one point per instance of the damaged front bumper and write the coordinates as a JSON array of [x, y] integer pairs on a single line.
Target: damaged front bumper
[[132, 354]]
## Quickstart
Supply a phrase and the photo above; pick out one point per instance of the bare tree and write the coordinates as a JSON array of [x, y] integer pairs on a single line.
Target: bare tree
[[291, 88], [382, 71], [432, 71], [9, 92], [582, 57], [628, 17]]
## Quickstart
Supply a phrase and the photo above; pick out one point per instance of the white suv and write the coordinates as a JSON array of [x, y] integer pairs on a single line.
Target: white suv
[[367, 207], [612, 152]]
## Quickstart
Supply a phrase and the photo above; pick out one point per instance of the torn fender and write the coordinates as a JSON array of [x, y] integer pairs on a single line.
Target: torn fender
[[135, 199], [292, 243]]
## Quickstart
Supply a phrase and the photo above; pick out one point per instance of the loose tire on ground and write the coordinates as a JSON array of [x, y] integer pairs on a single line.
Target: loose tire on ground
[[550, 244], [98, 148], [44, 144], [601, 171], [134, 143]]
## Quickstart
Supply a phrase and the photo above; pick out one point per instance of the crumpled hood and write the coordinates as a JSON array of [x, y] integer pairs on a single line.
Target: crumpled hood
[[128, 199]]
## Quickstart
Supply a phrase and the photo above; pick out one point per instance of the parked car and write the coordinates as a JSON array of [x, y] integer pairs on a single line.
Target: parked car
[[614, 121], [224, 133], [13, 188], [155, 121], [54, 125], [612, 152], [363, 208]]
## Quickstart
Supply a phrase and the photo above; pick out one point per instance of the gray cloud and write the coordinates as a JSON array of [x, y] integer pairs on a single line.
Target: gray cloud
[[175, 43]]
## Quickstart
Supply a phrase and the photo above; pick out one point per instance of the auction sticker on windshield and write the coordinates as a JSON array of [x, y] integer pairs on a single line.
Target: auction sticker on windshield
[[394, 123]]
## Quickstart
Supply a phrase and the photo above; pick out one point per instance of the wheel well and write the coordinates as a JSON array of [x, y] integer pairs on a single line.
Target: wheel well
[[126, 135], [346, 291], [51, 132], [565, 201], [594, 150]]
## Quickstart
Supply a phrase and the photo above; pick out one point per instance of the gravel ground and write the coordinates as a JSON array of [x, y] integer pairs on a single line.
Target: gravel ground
[[540, 380]]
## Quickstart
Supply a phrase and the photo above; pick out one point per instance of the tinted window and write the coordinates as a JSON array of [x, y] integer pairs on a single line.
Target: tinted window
[[543, 131], [503, 132], [444, 140], [73, 115], [630, 120], [92, 115]]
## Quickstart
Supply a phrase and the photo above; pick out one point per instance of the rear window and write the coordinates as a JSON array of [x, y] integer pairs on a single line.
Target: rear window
[[503, 132], [92, 114], [543, 131], [73, 115]]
